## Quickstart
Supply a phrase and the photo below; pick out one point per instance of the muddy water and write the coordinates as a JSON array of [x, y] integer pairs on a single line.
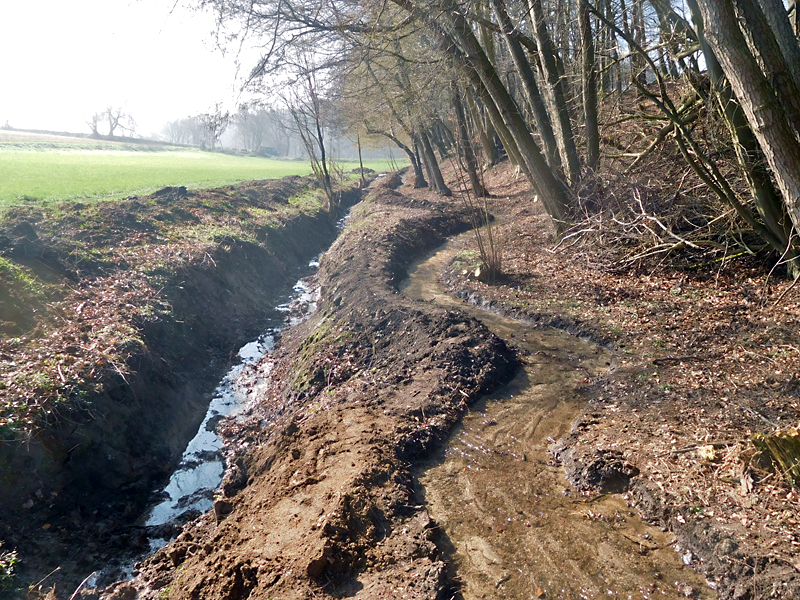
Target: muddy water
[[516, 527]]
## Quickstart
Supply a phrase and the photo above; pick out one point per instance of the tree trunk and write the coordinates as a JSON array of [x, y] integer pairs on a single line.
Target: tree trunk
[[764, 45], [488, 143], [434, 173], [528, 78], [465, 144], [764, 112], [455, 37], [765, 197], [640, 37], [589, 78], [555, 95], [779, 22], [418, 161], [553, 193]]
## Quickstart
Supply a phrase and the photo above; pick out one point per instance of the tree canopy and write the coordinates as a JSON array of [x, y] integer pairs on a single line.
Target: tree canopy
[[532, 80]]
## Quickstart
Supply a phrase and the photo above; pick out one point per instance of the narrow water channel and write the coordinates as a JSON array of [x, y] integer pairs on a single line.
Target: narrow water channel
[[191, 487], [516, 527]]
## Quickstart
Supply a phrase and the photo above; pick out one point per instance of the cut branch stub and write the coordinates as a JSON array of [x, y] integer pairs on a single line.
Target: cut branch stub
[[783, 449]]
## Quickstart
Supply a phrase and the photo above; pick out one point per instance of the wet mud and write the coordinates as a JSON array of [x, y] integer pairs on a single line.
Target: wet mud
[[515, 527], [383, 458]]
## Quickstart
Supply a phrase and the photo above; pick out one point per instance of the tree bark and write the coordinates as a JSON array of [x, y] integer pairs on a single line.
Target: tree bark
[[779, 22], [765, 114], [589, 79], [765, 47], [766, 199]]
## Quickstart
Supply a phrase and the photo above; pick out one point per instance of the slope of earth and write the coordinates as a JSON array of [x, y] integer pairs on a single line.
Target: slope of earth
[[117, 320], [704, 359], [320, 500]]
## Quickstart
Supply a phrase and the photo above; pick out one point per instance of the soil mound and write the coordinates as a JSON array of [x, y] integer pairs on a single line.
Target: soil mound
[[320, 499]]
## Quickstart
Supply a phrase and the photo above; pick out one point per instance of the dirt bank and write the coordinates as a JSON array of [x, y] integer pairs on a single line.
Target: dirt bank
[[321, 501], [118, 320]]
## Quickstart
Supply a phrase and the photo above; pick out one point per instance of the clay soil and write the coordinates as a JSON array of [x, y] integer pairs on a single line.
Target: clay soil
[[320, 501]]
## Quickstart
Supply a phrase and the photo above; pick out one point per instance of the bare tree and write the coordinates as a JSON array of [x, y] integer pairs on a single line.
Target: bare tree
[[94, 123], [214, 123], [115, 119], [252, 125], [308, 109]]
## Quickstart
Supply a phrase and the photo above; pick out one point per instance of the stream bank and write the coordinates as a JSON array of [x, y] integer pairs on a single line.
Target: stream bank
[[140, 310], [327, 495], [321, 499]]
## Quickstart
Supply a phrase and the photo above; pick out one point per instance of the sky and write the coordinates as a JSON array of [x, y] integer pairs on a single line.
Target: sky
[[63, 60]]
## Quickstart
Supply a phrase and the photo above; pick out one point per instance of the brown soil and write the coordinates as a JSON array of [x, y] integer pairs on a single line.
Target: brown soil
[[322, 499], [117, 321], [702, 361]]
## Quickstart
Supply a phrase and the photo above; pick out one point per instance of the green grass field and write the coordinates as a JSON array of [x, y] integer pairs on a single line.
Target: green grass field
[[52, 169]]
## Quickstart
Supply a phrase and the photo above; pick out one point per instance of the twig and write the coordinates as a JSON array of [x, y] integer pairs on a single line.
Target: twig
[[668, 359], [686, 449], [83, 583], [786, 291]]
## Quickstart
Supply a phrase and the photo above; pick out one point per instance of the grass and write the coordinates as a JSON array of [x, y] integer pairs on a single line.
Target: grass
[[35, 172]]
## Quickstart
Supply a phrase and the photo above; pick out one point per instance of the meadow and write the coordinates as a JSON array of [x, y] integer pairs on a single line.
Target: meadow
[[47, 168]]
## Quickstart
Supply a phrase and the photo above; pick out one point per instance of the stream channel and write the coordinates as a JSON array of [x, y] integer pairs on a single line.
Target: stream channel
[[516, 527], [190, 490]]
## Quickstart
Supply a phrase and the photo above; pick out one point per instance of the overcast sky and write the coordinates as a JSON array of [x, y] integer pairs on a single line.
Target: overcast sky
[[63, 60]]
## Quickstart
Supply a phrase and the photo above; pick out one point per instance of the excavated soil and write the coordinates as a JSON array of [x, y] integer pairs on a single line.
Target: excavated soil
[[333, 486], [321, 499], [118, 320], [341, 481]]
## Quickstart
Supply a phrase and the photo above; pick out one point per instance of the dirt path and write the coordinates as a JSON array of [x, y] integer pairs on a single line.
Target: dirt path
[[330, 494], [514, 522]]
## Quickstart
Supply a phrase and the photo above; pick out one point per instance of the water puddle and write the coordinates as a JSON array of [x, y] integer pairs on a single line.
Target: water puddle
[[516, 527]]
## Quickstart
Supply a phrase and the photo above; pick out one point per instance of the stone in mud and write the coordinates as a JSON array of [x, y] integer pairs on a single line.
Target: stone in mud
[[317, 566], [222, 508]]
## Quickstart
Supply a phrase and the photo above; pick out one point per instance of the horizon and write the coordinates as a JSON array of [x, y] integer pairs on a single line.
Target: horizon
[[156, 62]]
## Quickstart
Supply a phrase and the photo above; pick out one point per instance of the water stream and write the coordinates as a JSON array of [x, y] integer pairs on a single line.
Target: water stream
[[516, 527], [190, 490], [200, 471]]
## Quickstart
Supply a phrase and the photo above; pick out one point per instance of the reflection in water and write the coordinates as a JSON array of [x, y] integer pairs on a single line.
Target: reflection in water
[[200, 472], [517, 529]]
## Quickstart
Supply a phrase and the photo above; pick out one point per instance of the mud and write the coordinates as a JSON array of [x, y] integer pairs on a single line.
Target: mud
[[515, 526], [341, 482], [321, 499]]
